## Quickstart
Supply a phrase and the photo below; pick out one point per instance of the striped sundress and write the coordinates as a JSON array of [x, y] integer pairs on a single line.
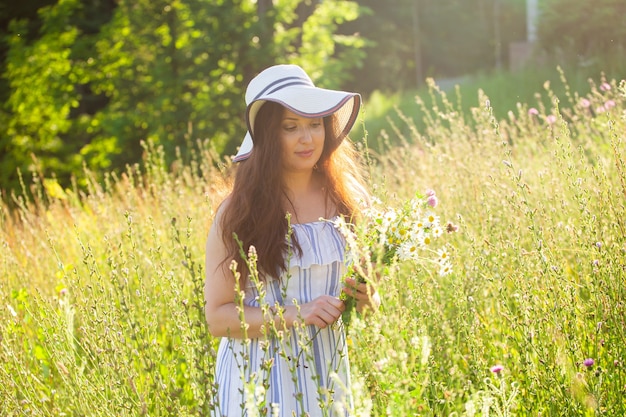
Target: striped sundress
[[307, 372]]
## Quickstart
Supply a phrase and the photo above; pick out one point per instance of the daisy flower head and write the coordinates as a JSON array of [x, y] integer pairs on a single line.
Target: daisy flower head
[[445, 268], [394, 230], [401, 233], [409, 250], [374, 215], [389, 217], [415, 208], [431, 220], [437, 230], [425, 239], [443, 255], [418, 226], [347, 232]]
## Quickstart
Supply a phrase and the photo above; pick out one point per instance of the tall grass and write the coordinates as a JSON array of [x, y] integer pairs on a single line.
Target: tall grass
[[101, 302], [506, 90]]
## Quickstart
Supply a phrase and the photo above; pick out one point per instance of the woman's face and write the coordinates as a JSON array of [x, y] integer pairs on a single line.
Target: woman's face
[[302, 141]]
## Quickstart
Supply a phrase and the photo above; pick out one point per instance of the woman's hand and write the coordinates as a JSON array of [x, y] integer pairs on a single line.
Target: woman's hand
[[365, 295], [321, 312]]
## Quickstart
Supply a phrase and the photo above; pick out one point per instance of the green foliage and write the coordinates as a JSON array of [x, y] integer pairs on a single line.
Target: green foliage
[[584, 32], [415, 39], [175, 64], [329, 57], [42, 80], [169, 73]]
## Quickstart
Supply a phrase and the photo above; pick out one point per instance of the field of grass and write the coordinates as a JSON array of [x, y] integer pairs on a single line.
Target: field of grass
[[101, 291]]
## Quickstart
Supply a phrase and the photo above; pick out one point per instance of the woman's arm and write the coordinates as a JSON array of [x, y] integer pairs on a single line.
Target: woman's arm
[[221, 310]]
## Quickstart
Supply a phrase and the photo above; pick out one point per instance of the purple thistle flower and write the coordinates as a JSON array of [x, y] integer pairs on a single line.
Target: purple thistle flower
[[533, 111], [432, 201], [588, 362], [551, 119], [496, 369]]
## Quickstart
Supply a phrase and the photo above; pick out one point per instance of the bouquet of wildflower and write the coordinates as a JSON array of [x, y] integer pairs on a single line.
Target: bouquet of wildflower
[[391, 235]]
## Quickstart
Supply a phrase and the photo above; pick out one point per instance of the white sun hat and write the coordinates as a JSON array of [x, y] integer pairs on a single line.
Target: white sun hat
[[291, 87]]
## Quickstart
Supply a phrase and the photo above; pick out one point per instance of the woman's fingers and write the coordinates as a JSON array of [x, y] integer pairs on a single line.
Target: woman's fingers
[[358, 290], [364, 294], [322, 311]]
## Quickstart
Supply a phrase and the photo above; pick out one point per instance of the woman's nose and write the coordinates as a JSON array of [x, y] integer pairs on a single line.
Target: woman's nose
[[306, 135]]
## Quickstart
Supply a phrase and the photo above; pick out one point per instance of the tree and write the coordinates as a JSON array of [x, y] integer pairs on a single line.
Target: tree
[[414, 39], [164, 72], [41, 78], [583, 32]]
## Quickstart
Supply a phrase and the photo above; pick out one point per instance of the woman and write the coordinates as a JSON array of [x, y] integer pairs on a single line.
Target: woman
[[282, 352]]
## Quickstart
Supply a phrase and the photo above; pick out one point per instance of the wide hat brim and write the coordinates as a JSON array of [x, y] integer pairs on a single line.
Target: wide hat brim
[[306, 101]]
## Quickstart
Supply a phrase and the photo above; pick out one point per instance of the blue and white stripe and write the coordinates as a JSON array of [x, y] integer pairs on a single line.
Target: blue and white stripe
[[310, 356]]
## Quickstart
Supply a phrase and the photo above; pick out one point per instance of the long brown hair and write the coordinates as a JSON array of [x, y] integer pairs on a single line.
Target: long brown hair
[[255, 214]]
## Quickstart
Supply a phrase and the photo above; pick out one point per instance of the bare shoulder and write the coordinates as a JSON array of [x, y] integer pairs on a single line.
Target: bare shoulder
[[216, 252], [219, 214], [215, 248]]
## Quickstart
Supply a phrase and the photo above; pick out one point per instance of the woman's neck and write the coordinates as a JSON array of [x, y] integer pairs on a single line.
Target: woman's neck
[[301, 183], [306, 198]]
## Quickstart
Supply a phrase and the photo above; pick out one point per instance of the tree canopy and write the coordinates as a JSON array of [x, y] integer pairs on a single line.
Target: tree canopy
[[85, 83]]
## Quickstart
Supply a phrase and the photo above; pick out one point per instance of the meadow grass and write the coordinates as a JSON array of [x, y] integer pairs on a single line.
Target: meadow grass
[[531, 86], [101, 307]]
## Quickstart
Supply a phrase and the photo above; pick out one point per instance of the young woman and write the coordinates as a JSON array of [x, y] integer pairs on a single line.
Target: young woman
[[295, 173]]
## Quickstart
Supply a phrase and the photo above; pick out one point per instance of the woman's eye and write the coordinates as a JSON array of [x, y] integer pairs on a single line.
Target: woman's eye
[[316, 124], [289, 128]]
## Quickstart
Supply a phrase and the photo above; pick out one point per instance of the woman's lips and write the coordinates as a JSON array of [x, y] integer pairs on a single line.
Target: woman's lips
[[305, 154]]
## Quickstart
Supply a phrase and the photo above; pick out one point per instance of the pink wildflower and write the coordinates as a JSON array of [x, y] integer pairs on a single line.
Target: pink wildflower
[[551, 119], [496, 369], [588, 362], [609, 104], [585, 103], [605, 86], [600, 110], [533, 111], [432, 201], [430, 193]]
